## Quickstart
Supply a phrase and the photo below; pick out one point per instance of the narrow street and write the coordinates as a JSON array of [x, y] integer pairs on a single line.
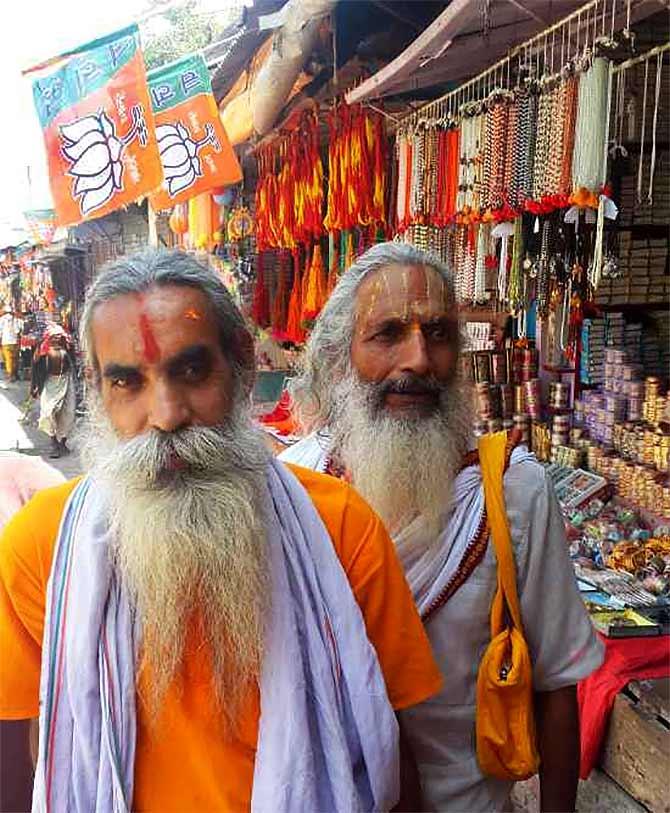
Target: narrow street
[[20, 434]]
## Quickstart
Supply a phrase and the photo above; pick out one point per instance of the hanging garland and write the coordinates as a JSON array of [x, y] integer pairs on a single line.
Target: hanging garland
[[289, 192], [356, 176]]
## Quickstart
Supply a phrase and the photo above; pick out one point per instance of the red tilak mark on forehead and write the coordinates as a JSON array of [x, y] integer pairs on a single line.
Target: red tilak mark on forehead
[[151, 351]]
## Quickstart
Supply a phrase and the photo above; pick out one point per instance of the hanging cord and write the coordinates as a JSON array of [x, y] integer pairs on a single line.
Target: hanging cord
[[642, 132], [657, 96], [565, 316], [610, 76]]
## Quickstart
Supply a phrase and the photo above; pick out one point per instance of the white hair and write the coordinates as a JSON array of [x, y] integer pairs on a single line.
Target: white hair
[[327, 357]]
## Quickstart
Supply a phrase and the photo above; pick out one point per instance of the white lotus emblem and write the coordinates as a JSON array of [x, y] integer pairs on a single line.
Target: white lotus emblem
[[179, 154], [94, 150]]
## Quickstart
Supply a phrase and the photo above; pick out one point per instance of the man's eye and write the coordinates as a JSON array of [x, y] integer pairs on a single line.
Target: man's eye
[[126, 383], [388, 333], [195, 372]]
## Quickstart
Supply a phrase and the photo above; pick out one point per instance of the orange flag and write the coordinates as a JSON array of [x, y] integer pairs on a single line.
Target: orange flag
[[98, 127], [194, 148]]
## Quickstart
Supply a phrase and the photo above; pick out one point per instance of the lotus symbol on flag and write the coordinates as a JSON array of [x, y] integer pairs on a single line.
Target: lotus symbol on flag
[[179, 154], [94, 151]]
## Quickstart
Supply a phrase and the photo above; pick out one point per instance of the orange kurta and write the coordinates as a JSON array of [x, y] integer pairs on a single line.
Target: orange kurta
[[186, 761]]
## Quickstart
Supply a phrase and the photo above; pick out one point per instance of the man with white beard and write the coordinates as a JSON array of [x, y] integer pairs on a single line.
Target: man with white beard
[[381, 396], [206, 628]]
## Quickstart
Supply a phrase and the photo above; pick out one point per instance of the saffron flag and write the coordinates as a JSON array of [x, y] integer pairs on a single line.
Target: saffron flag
[[194, 148], [98, 127], [41, 225]]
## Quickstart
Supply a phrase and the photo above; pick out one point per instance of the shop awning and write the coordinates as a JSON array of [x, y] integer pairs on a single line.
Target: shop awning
[[454, 47]]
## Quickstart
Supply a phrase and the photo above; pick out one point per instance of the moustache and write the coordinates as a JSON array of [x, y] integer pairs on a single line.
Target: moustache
[[161, 458], [411, 385]]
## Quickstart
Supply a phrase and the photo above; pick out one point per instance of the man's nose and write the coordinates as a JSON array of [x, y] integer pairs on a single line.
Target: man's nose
[[414, 353], [169, 409]]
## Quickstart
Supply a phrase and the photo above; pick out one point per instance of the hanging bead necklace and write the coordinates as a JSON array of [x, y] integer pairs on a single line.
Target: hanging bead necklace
[[657, 96]]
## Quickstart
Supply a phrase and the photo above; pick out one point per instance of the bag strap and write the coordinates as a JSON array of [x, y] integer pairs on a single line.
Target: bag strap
[[492, 452]]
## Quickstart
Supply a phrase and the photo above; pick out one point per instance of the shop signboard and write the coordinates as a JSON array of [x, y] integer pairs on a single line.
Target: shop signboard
[[194, 149], [98, 127]]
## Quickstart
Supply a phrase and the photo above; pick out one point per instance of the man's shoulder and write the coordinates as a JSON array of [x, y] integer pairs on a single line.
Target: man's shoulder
[[346, 515], [51, 500], [326, 492], [310, 452], [30, 535], [525, 481]]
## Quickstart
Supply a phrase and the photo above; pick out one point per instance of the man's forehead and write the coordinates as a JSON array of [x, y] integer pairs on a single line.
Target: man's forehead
[[400, 291], [152, 323]]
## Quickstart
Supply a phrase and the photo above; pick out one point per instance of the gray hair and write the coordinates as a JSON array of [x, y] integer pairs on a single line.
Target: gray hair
[[136, 273], [327, 357]]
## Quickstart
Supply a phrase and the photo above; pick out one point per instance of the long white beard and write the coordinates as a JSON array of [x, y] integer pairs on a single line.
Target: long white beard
[[404, 467], [190, 546]]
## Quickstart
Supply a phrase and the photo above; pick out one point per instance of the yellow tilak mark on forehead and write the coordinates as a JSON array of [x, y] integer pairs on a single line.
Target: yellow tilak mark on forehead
[[405, 290]]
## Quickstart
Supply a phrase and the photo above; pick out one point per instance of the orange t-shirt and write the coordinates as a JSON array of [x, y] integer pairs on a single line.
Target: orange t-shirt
[[186, 760]]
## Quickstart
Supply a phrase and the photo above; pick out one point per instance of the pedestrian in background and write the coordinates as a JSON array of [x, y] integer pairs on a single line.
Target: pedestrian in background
[[10, 330]]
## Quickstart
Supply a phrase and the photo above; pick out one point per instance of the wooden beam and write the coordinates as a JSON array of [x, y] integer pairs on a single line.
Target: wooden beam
[[531, 12], [465, 57], [396, 15], [445, 27]]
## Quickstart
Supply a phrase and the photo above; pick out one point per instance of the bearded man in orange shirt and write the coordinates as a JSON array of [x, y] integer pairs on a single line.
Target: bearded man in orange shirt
[[200, 627]]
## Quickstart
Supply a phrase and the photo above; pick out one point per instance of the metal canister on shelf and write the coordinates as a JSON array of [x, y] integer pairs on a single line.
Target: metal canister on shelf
[[521, 422], [532, 398], [498, 368], [559, 395], [635, 409], [519, 398], [506, 400], [635, 389], [615, 405], [509, 361], [466, 365], [482, 366], [483, 398], [494, 425], [496, 407]]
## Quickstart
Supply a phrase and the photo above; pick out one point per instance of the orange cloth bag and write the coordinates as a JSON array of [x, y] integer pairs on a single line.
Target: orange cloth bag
[[505, 727]]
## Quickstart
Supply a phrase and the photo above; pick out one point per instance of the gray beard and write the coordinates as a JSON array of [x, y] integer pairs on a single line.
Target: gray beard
[[403, 467], [189, 546]]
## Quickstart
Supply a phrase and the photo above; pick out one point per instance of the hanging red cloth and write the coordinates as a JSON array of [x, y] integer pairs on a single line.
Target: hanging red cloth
[[626, 659], [260, 308], [453, 164]]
